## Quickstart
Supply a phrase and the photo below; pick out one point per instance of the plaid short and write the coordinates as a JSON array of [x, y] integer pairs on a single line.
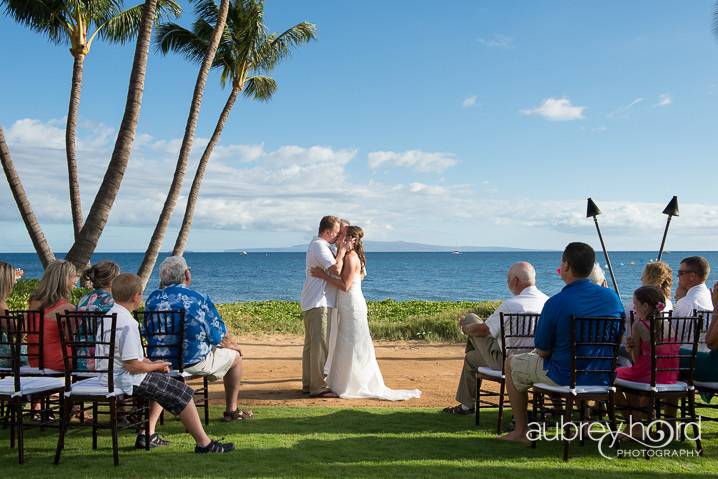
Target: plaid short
[[171, 394]]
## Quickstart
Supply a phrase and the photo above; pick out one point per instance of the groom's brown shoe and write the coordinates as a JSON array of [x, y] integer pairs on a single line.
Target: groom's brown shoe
[[326, 394]]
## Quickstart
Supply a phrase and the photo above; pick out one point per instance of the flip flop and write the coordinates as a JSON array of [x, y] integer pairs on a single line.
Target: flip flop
[[237, 415]]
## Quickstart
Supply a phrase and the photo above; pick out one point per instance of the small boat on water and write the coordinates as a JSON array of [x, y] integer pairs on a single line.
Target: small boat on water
[[456, 252], [243, 253]]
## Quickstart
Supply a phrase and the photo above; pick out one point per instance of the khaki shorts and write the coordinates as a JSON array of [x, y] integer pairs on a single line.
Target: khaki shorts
[[215, 365], [527, 369]]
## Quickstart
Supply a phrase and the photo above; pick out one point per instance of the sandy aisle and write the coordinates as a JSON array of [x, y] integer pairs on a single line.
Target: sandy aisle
[[273, 372]]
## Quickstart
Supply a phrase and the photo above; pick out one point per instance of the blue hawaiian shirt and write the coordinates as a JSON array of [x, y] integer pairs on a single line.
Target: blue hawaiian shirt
[[203, 326]]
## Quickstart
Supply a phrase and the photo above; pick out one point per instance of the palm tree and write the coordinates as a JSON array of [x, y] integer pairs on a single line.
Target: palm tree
[[86, 242], [23, 204], [70, 22], [219, 15], [245, 51]]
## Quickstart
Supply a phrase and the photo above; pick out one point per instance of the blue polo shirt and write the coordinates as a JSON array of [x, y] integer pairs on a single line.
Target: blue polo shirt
[[553, 331]]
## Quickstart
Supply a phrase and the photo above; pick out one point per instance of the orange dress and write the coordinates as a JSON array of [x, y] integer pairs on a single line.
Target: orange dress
[[51, 349]]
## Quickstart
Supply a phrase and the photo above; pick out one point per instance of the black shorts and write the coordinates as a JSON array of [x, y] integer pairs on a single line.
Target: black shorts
[[171, 394]]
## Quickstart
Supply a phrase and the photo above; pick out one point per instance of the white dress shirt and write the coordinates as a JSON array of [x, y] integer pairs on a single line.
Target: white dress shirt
[[698, 298], [316, 292], [529, 300]]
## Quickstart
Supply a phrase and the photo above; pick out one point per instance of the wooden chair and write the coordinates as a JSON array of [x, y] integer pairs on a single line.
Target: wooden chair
[[676, 332], [91, 336], [19, 391], [163, 334], [594, 350], [706, 387], [518, 329]]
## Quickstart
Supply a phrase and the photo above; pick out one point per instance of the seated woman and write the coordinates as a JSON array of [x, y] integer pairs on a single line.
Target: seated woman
[[99, 299], [648, 303], [8, 277], [101, 276], [707, 362], [52, 296]]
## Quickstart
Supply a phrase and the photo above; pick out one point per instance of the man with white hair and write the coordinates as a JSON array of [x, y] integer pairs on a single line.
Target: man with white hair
[[483, 347], [209, 349]]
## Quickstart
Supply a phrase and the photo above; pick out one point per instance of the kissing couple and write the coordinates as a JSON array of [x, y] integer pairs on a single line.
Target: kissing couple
[[335, 269]]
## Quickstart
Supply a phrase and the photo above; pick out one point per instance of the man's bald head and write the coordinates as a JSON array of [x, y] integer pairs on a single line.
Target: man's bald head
[[521, 275]]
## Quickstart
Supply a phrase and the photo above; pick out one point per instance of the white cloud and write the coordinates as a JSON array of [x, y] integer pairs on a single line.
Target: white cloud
[[497, 41], [469, 102], [622, 110], [664, 99], [416, 159], [557, 109], [285, 190]]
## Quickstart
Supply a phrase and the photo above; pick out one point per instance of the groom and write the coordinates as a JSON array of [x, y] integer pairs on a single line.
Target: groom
[[315, 303]]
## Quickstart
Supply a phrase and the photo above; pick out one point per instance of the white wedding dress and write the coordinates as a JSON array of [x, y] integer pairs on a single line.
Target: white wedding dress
[[354, 372]]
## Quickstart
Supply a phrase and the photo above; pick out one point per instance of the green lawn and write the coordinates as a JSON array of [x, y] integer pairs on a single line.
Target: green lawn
[[343, 443]]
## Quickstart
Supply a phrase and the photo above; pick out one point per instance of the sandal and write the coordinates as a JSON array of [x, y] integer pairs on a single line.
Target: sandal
[[458, 409], [237, 415], [326, 394]]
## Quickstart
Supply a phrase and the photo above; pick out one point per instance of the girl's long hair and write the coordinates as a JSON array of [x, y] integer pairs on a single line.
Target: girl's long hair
[[7, 281], [357, 234], [54, 285]]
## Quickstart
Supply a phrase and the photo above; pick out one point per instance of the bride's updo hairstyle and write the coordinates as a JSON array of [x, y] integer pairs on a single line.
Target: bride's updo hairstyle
[[357, 234]]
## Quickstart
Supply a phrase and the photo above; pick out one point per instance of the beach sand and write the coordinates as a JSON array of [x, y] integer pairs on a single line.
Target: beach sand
[[273, 371]]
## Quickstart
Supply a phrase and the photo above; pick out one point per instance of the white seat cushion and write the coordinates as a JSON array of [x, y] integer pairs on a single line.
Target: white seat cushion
[[661, 388], [706, 385], [592, 389], [92, 387], [494, 373], [32, 371], [30, 385]]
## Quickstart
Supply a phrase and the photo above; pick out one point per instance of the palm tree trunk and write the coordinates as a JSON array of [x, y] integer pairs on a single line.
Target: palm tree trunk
[[150, 258], [70, 134], [23, 204], [86, 243], [183, 234]]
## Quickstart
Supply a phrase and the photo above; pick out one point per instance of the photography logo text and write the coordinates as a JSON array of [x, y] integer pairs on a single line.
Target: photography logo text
[[630, 439]]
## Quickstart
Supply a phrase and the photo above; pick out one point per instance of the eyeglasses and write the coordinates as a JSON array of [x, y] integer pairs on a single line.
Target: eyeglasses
[[681, 272]]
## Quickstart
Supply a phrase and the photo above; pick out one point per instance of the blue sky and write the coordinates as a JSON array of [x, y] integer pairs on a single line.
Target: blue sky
[[456, 123]]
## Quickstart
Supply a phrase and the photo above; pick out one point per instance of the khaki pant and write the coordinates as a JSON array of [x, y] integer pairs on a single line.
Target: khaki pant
[[480, 352], [314, 355], [527, 369]]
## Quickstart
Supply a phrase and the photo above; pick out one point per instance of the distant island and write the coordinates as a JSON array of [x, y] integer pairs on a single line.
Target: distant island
[[391, 247]]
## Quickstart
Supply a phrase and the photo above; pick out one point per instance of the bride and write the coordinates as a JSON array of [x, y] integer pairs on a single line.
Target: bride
[[354, 371]]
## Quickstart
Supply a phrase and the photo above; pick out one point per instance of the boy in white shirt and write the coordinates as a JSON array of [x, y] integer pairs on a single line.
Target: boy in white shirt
[[138, 376]]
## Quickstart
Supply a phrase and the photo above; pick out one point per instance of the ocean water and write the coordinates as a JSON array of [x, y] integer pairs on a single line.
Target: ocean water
[[228, 277]]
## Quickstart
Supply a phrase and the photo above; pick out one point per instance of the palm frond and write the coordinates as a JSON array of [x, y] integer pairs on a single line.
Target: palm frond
[[44, 16], [123, 25], [171, 37], [260, 88], [206, 10], [280, 46]]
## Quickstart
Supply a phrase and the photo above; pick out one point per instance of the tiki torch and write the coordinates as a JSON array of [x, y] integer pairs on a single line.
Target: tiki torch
[[671, 210], [592, 211]]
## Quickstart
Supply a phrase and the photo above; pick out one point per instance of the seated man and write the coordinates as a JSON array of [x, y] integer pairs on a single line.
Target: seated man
[[208, 348], [692, 275], [138, 376], [550, 362], [483, 345]]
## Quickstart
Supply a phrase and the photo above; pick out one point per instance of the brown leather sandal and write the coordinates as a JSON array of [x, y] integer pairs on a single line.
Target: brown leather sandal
[[237, 415], [458, 409]]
